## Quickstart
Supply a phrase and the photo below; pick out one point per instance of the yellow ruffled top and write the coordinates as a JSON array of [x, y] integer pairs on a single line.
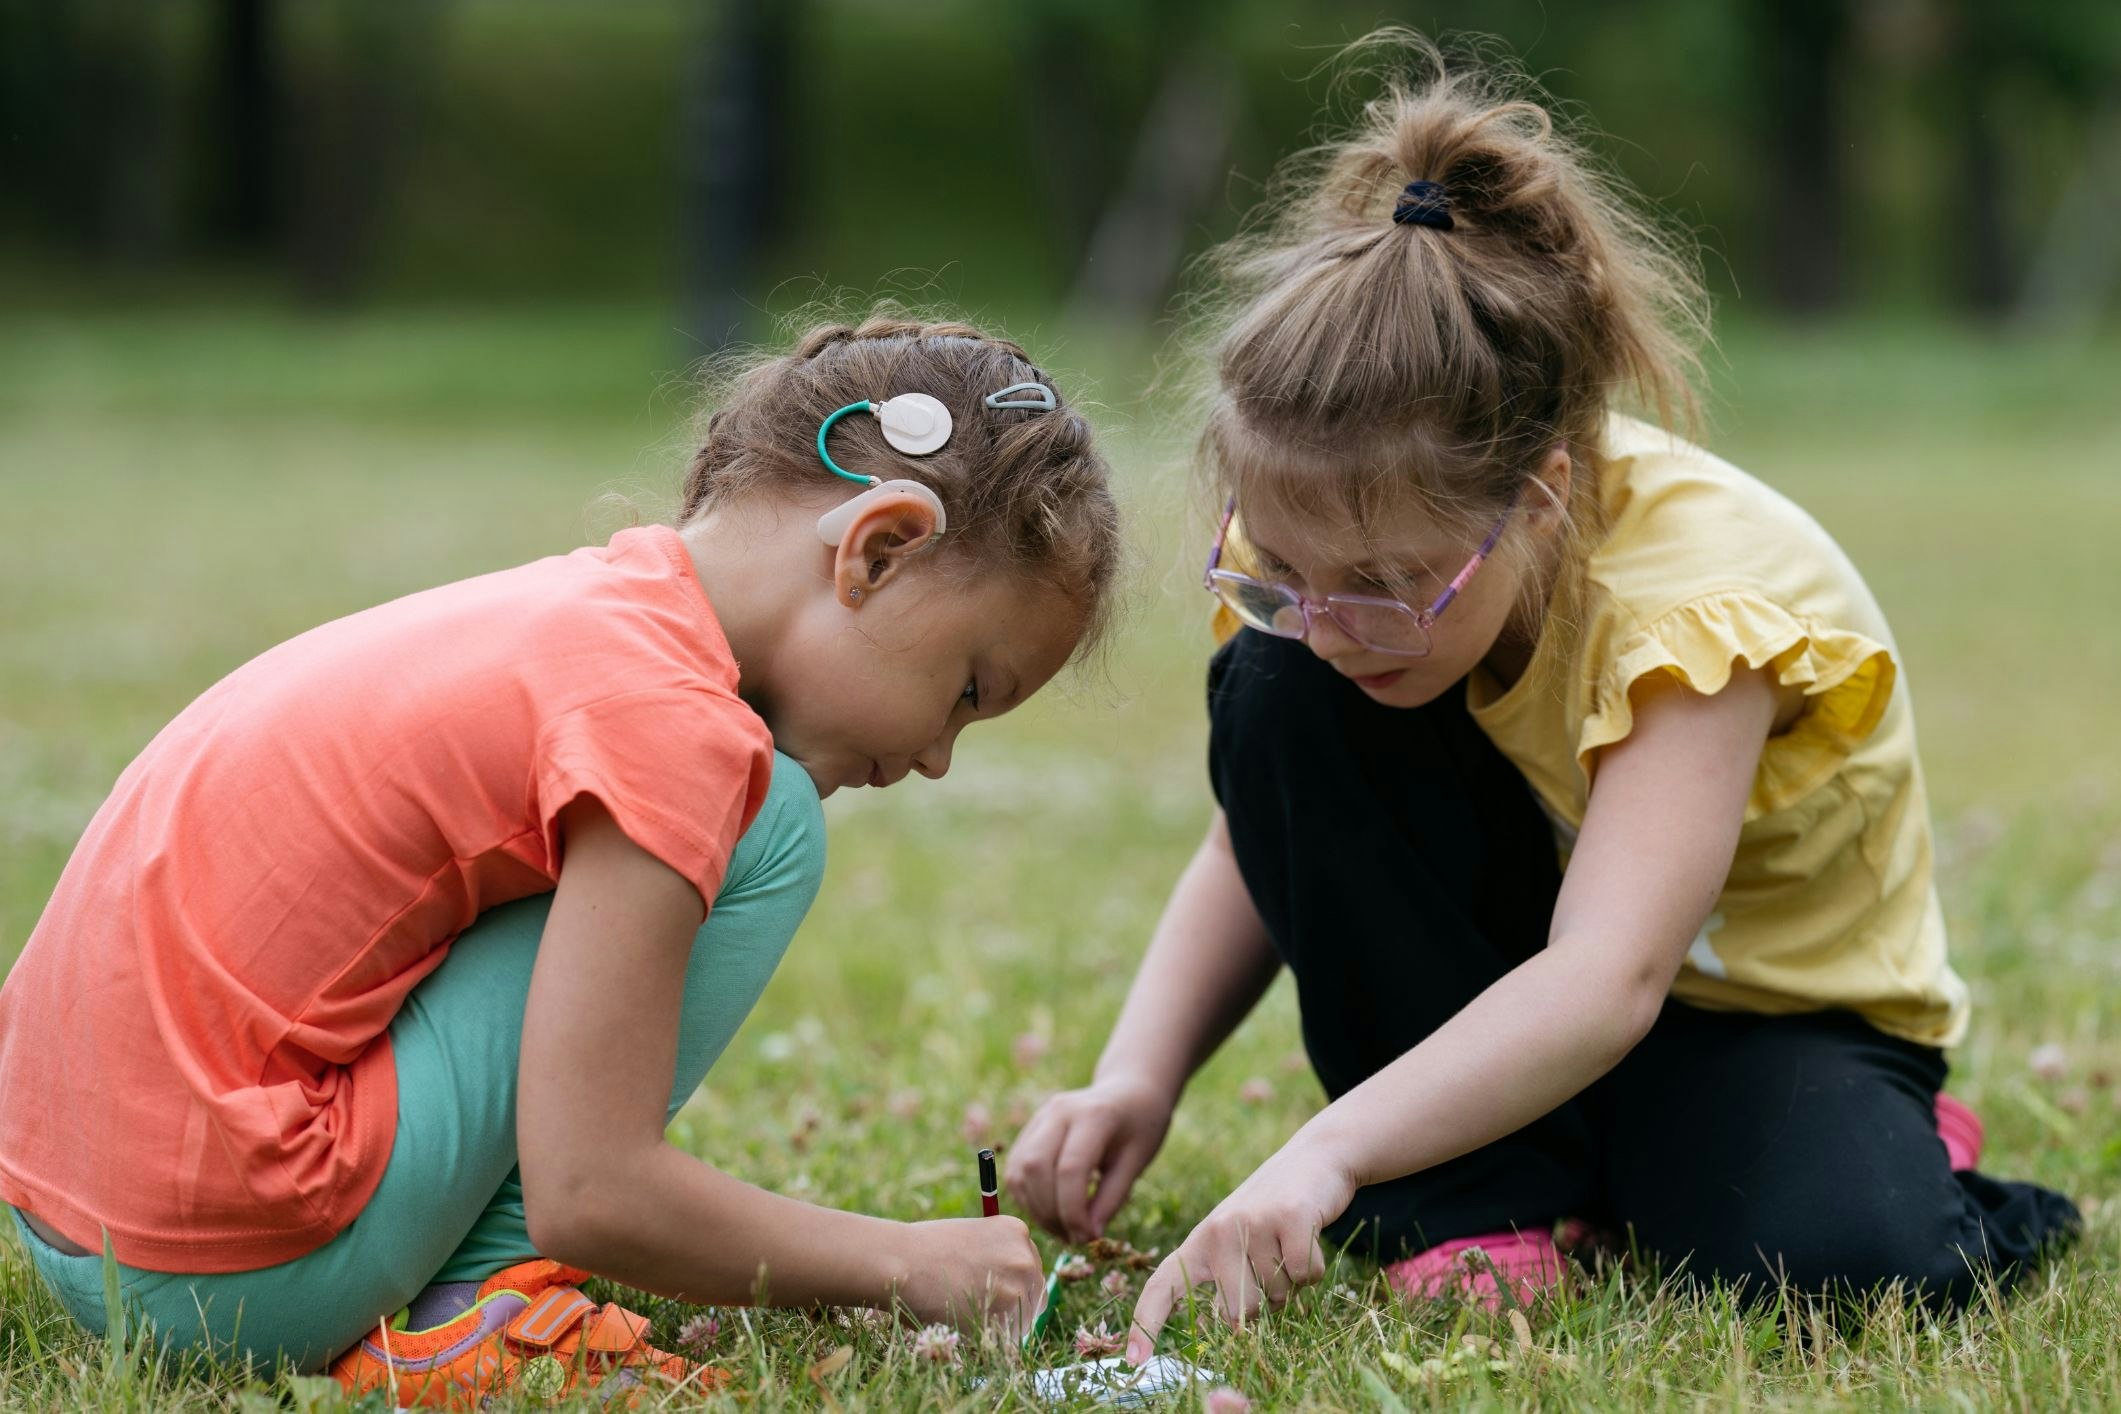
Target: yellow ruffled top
[[1829, 902], [1847, 680]]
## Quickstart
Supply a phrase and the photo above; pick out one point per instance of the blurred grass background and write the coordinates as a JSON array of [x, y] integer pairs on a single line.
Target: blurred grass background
[[304, 307]]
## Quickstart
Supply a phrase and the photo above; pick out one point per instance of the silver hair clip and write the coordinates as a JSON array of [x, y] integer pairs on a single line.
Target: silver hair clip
[[1041, 397]]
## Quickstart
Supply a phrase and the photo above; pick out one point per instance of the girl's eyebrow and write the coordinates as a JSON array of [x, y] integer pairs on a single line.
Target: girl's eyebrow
[[1266, 551], [990, 663]]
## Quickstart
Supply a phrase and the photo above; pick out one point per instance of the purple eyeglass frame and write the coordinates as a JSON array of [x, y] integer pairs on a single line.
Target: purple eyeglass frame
[[1424, 619]]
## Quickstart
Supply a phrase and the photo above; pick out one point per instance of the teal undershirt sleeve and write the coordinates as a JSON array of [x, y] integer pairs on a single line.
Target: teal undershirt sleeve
[[449, 1207]]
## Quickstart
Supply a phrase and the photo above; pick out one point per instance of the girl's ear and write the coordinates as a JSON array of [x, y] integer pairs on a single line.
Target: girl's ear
[[1548, 496], [880, 539]]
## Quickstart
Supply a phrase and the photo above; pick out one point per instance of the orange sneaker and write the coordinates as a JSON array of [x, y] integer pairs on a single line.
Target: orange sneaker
[[530, 1332]]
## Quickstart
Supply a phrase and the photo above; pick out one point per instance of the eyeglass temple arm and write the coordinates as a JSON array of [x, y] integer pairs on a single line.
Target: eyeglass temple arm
[[1215, 552], [1460, 580]]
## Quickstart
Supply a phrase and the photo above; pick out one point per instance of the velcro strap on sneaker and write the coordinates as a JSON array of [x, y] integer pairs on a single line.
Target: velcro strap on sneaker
[[547, 1320], [615, 1331]]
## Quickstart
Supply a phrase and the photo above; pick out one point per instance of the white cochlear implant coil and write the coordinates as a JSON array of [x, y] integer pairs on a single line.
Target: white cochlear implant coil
[[914, 423]]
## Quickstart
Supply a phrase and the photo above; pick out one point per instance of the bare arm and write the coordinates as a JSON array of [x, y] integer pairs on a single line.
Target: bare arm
[[1657, 840], [1207, 965], [601, 1187]]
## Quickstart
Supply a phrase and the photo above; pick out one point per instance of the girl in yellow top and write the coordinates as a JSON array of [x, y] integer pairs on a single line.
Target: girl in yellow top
[[1567, 767]]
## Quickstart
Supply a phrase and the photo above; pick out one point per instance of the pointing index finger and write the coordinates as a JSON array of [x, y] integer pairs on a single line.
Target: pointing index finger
[[1158, 1296]]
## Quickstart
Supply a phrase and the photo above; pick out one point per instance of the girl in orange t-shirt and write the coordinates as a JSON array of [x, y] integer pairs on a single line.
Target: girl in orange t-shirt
[[351, 1026]]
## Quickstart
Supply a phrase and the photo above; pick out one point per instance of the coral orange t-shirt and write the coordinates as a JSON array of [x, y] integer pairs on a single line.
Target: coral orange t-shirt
[[193, 1051]]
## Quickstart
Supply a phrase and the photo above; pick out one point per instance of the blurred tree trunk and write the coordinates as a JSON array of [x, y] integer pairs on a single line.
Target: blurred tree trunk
[[248, 126], [1074, 158], [1134, 256], [1978, 196], [89, 127], [1975, 207], [2076, 265], [353, 111], [1802, 194], [734, 155]]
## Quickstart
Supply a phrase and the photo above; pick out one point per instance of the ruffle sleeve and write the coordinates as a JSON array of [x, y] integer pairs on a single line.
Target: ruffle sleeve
[[1846, 677]]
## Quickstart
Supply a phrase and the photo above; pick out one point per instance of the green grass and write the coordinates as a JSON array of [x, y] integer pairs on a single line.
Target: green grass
[[183, 490]]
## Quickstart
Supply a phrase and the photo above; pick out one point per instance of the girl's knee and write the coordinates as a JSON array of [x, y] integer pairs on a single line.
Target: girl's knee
[[784, 848], [1861, 1250]]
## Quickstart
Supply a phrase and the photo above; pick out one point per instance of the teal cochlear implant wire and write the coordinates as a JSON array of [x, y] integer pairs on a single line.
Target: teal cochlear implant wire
[[826, 457]]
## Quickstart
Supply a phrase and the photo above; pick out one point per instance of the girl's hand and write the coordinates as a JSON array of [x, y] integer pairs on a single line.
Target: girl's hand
[[1103, 1134], [1259, 1245], [970, 1272]]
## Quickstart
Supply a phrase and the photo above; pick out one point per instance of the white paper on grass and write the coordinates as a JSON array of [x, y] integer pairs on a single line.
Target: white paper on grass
[[1114, 1381]]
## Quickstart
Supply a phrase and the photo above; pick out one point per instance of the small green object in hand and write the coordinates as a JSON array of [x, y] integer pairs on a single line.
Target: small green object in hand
[[1045, 1315]]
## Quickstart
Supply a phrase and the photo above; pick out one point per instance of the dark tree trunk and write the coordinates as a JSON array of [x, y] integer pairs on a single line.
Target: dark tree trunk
[[1802, 192], [1078, 147], [734, 156], [1979, 196], [353, 116], [247, 126]]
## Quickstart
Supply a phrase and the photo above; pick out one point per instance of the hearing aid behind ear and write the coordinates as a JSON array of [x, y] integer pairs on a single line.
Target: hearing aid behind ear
[[832, 525], [913, 423]]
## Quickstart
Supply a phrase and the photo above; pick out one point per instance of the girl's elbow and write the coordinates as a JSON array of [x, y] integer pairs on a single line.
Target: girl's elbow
[[1642, 1004], [574, 1236], [1629, 999], [571, 1219], [1637, 999], [554, 1233]]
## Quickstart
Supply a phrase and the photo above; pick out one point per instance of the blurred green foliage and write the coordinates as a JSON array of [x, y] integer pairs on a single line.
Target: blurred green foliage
[[503, 149]]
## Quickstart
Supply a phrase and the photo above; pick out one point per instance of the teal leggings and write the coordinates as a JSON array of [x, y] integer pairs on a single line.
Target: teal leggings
[[450, 1207]]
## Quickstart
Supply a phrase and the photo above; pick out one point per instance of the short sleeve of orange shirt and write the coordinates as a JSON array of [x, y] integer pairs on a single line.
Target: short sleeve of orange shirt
[[193, 1047]]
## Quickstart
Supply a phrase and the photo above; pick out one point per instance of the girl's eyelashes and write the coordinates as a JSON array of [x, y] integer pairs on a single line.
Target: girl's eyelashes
[[1396, 582], [971, 694], [1273, 567]]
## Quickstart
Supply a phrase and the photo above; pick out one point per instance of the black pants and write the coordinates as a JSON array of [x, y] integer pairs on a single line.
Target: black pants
[[1402, 865]]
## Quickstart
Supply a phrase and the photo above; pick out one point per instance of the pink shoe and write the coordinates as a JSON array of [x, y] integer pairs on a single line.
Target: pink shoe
[[1960, 1129], [1468, 1267]]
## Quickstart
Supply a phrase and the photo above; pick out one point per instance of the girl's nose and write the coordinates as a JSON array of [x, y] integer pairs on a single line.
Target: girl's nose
[[933, 760], [1326, 638]]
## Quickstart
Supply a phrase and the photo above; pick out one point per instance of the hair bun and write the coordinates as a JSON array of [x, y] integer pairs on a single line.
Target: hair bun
[[1424, 203]]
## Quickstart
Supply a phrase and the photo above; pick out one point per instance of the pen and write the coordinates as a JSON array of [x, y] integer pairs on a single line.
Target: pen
[[990, 1189], [990, 1204]]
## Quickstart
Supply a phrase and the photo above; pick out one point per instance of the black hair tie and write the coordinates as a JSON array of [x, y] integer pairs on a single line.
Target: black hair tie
[[1424, 204]]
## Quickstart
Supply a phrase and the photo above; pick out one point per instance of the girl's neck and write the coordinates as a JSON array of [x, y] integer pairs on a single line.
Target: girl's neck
[[1507, 660], [734, 555], [1518, 643]]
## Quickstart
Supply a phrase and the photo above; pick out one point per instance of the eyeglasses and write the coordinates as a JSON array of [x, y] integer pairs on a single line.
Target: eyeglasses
[[1378, 624]]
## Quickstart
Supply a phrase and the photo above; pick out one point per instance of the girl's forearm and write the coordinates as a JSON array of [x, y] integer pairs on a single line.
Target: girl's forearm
[[1207, 966], [1538, 1036], [734, 1244]]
